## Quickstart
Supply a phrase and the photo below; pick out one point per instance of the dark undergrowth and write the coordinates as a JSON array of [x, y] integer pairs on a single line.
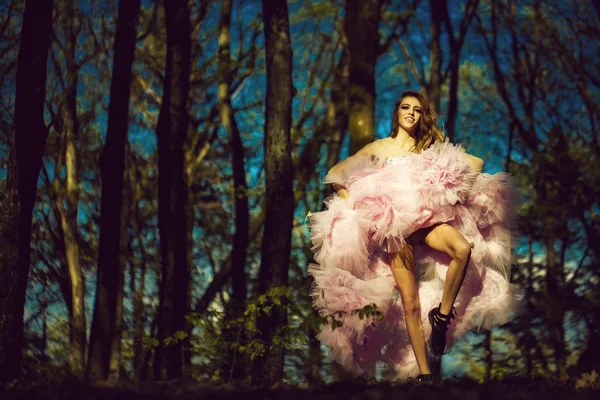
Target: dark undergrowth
[[463, 389]]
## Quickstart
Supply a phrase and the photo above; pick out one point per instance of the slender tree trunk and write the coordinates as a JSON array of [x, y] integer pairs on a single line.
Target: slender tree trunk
[[337, 123], [434, 88], [279, 200], [337, 115], [240, 240], [139, 351], [17, 201], [44, 341], [127, 211], [529, 338], [114, 364], [361, 26], [555, 308], [450, 126], [105, 334], [138, 327], [456, 42], [171, 130], [68, 204]]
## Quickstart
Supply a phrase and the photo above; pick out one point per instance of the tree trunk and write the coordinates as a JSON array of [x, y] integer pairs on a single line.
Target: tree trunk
[[235, 308], [17, 201], [456, 42], [44, 342], [114, 362], [337, 123], [171, 130], [555, 308], [104, 333], [139, 352], [68, 205], [279, 200], [361, 25], [128, 209], [528, 340], [434, 87], [337, 118]]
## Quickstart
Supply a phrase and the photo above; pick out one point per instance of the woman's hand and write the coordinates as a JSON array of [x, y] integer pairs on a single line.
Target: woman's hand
[[341, 191]]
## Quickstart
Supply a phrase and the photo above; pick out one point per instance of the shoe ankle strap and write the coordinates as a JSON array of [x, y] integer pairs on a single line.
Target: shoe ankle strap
[[446, 317]]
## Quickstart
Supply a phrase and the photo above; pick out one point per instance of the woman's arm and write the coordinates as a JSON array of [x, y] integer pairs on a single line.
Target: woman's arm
[[475, 164], [335, 174]]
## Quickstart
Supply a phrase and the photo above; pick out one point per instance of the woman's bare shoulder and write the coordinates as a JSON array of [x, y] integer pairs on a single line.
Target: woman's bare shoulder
[[375, 148]]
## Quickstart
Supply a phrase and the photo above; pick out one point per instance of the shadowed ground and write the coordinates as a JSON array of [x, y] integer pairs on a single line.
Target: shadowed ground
[[459, 390]]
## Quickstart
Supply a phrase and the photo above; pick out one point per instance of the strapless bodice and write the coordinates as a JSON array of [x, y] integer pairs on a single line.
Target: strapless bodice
[[394, 160]]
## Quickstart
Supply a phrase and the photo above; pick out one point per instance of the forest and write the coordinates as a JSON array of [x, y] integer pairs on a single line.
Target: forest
[[158, 160]]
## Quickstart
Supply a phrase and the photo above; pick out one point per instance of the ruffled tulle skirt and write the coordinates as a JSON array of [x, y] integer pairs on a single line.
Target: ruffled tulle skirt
[[353, 239]]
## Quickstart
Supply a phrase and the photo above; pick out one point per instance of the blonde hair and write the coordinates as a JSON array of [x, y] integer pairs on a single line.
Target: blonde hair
[[428, 132]]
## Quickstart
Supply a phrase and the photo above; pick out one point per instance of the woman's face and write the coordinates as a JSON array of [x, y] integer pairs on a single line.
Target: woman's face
[[409, 114]]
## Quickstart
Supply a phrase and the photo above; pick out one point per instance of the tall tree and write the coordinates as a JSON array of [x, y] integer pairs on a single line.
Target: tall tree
[[434, 86], [67, 198], [440, 74], [27, 146], [531, 54], [171, 131], [104, 332], [240, 239], [279, 200], [455, 41], [361, 26]]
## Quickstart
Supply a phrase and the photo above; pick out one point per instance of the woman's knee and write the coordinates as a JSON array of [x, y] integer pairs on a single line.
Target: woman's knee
[[462, 251], [411, 306]]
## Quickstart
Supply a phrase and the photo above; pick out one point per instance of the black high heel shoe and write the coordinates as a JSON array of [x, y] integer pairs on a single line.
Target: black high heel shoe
[[439, 326]]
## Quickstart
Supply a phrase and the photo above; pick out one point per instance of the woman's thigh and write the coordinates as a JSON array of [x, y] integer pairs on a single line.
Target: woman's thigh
[[447, 239]]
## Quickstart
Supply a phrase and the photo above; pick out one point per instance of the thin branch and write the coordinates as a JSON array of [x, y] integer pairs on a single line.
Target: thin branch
[[412, 64], [400, 29]]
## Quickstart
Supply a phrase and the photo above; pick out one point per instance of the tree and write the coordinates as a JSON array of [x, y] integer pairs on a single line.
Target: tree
[[104, 332], [361, 26], [531, 55], [27, 146], [456, 42], [68, 198], [171, 132], [440, 74], [240, 190], [279, 199]]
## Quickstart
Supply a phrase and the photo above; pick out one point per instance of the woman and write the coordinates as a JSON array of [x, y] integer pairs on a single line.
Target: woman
[[410, 193]]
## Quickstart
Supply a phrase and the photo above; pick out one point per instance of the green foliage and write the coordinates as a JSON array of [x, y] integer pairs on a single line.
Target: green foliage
[[150, 342], [209, 343], [368, 311], [588, 381]]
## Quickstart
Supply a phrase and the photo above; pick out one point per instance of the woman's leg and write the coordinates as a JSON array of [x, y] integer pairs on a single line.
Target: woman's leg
[[402, 267], [447, 239]]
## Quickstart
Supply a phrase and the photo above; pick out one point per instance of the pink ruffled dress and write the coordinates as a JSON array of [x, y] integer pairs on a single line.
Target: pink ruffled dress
[[390, 200]]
